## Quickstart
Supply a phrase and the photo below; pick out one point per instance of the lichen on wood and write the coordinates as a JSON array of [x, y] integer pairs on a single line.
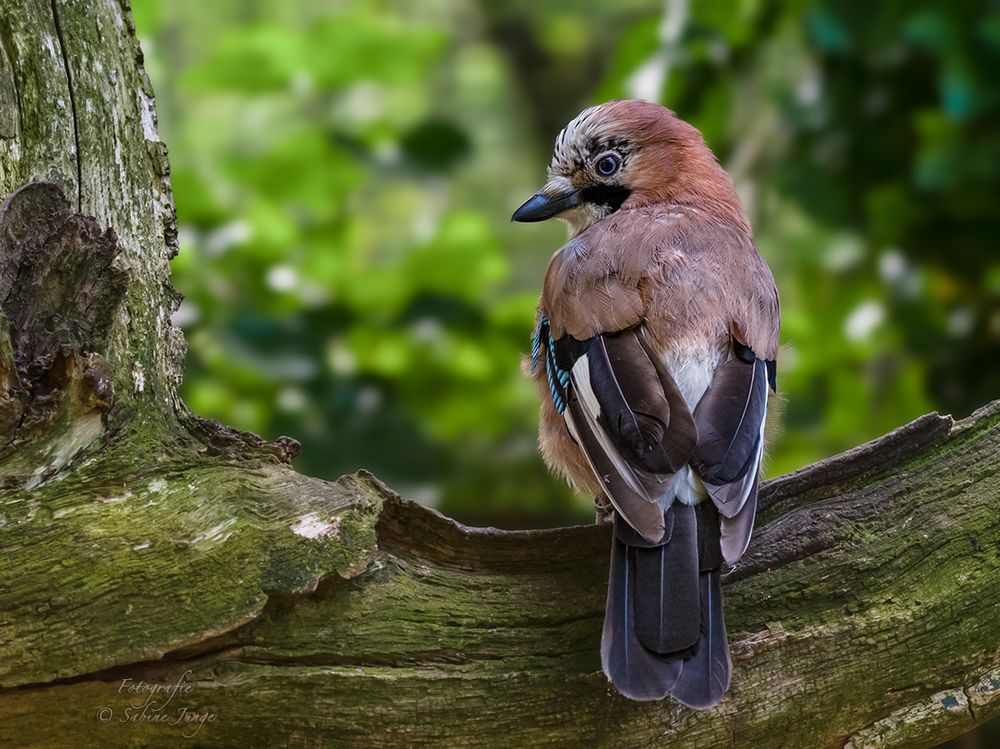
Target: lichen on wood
[[142, 543]]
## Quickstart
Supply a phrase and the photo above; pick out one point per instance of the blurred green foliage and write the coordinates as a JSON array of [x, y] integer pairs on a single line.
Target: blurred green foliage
[[345, 173]]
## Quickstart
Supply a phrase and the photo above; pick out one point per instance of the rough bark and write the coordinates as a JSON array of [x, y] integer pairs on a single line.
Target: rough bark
[[140, 542]]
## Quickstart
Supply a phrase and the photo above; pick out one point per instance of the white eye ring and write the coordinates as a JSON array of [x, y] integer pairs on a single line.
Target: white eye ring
[[607, 165]]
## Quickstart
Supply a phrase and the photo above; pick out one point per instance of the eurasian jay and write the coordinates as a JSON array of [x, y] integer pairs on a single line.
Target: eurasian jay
[[654, 352]]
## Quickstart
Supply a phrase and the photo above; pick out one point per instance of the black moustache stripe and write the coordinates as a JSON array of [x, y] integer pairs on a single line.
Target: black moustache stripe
[[611, 196]]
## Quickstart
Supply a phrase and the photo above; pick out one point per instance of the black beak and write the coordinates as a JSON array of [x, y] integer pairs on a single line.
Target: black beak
[[541, 206]]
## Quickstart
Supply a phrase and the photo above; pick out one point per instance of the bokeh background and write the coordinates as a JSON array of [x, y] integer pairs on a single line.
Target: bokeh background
[[345, 173]]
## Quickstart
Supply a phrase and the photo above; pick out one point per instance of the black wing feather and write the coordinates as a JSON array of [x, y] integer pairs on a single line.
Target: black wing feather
[[628, 416], [630, 498], [736, 530], [728, 418], [636, 406]]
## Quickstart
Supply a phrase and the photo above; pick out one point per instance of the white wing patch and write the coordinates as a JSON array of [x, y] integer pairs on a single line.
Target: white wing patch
[[581, 378]]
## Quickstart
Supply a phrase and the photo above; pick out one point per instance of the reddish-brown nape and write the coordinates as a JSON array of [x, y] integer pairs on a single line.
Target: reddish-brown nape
[[672, 163]]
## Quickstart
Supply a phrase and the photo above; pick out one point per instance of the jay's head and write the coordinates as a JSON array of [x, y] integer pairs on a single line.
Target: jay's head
[[627, 154]]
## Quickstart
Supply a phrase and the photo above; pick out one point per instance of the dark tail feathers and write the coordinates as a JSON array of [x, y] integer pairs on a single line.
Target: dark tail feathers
[[664, 632]]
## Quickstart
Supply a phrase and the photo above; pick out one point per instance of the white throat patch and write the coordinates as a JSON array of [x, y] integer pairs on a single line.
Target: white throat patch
[[582, 217]]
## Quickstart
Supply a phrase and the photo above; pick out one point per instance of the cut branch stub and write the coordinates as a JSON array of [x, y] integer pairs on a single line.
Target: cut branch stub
[[59, 292], [63, 301], [63, 288]]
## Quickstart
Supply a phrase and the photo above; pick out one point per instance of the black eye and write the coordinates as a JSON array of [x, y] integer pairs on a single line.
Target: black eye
[[608, 165]]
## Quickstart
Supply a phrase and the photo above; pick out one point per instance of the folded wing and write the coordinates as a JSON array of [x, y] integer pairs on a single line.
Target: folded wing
[[730, 420], [624, 410]]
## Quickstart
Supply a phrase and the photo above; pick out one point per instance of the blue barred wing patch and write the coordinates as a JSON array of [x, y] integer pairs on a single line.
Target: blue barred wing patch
[[557, 377]]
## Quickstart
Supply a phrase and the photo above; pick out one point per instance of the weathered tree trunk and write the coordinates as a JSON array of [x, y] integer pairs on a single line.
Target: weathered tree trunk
[[142, 543]]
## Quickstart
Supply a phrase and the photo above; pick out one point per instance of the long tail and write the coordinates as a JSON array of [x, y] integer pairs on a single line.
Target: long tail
[[664, 632]]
